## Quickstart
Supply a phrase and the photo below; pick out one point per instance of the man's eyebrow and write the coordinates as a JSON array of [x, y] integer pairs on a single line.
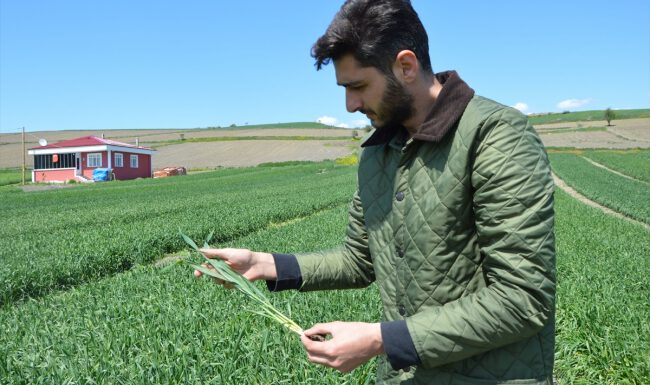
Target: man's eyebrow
[[354, 83]]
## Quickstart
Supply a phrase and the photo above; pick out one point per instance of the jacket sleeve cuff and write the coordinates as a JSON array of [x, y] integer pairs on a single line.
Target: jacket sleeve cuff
[[288, 273], [398, 345]]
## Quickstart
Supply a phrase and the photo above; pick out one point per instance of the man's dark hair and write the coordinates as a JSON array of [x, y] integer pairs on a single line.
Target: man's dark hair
[[374, 32]]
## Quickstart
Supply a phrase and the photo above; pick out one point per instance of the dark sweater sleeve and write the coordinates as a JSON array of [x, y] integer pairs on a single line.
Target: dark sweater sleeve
[[398, 345], [288, 273]]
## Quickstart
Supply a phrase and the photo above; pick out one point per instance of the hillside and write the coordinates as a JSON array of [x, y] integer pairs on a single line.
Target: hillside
[[208, 148], [586, 116]]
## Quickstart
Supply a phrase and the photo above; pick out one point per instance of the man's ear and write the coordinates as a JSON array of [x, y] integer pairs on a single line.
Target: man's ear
[[406, 66]]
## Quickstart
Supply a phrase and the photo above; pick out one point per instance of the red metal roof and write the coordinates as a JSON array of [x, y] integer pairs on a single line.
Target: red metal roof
[[88, 141]]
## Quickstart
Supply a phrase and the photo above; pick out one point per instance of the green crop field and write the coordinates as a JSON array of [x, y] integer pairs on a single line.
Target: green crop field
[[11, 176], [583, 116], [284, 125], [101, 229], [603, 267], [629, 197], [633, 163], [84, 302], [161, 143]]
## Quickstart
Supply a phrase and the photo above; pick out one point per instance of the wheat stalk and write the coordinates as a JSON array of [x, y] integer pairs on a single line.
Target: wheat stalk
[[225, 273]]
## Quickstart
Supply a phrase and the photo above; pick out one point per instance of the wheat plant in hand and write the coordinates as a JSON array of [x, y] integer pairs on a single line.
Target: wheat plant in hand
[[223, 272]]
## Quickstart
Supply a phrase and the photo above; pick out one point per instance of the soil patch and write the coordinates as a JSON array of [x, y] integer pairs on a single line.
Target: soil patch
[[250, 152], [624, 134], [45, 187]]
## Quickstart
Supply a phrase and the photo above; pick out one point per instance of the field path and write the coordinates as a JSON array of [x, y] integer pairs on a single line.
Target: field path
[[612, 171], [573, 193]]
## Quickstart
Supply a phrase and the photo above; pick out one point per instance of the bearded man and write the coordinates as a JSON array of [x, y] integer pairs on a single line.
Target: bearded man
[[453, 219]]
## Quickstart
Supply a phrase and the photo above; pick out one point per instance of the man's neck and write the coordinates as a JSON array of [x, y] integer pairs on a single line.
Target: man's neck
[[424, 97]]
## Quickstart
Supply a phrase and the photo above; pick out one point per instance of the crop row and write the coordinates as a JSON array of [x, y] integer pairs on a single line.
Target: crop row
[[153, 325], [603, 333], [633, 163], [626, 196], [58, 239]]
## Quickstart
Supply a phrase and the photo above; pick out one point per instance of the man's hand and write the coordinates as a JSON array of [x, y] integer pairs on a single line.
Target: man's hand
[[352, 344], [252, 265]]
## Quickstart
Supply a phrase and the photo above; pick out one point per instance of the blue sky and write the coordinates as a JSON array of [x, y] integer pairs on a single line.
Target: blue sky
[[89, 64]]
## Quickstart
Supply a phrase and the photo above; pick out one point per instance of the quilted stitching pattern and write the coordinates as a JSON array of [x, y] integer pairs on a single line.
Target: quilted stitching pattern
[[425, 253], [466, 255]]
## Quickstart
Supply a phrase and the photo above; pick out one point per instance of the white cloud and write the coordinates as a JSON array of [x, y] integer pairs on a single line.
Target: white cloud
[[523, 107], [334, 122], [328, 120], [359, 123], [571, 104]]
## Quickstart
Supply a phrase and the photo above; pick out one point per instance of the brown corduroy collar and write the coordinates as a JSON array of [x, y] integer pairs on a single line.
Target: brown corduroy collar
[[444, 114]]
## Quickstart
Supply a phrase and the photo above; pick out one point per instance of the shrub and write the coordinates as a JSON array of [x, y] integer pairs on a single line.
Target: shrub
[[349, 160], [609, 116]]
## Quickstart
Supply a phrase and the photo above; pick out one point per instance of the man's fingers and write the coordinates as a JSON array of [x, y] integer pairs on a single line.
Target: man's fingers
[[319, 359], [199, 274], [322, 353], [321, 330], [213, 253], [315, 347], [318, 329]]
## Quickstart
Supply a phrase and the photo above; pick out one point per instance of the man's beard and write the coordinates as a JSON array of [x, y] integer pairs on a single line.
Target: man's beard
[[396, 105]]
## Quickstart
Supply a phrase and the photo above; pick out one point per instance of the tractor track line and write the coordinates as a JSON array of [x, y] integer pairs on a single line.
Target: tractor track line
[[575, 194], [613, 171]]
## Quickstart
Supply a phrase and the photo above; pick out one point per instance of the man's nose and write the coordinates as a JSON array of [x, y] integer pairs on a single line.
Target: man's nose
[[352, 101]]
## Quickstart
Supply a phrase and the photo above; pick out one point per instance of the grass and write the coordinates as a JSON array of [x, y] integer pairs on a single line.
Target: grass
[[587, 116], [160, 325], [162, 143], [565, 130], [223, 272], [628, 197], [13, 176], [633, 163], [56, 239], [602, 332], [282, 125]]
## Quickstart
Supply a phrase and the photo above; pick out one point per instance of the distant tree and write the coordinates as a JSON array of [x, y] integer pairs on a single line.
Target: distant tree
[[609, 116]]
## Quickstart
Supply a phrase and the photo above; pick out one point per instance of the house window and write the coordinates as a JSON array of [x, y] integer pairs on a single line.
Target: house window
[[55, 161], [134, 161], [95, 160], [119, 160]]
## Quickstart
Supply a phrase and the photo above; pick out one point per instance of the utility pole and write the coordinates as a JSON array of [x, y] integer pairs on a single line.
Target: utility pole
[[24, 155]]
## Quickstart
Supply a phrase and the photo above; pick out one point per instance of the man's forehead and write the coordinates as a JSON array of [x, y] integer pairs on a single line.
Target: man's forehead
[[349, 71]]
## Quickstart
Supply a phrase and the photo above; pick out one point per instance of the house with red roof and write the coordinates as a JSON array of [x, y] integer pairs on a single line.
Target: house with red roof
[[77, 159]]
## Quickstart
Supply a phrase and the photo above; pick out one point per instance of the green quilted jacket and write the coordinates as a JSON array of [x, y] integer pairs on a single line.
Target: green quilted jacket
[[455, 226]]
